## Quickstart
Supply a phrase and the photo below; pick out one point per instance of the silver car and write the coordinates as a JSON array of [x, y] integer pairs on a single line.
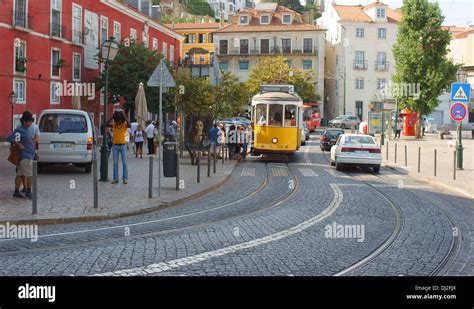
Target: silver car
[[67, 136], [345, 122]]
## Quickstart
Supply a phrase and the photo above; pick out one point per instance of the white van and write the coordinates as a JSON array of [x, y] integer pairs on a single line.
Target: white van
[[67, 136]]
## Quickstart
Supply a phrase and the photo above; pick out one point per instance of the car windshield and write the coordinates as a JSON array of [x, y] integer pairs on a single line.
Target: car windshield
[[340, 117], [333, 134], [359, 140], [63, 123]]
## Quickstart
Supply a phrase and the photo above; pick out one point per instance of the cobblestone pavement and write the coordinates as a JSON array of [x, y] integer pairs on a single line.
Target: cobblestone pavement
[[271, 219]]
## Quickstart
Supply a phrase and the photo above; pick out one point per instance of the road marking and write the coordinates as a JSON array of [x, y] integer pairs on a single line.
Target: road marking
[[279, 171], [247, 171], [307, 172], [164, 266]]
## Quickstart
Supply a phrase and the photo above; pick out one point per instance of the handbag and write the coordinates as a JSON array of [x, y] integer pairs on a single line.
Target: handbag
[[14, 156]]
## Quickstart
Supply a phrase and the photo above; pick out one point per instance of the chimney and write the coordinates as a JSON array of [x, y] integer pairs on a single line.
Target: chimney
[[221, 20]]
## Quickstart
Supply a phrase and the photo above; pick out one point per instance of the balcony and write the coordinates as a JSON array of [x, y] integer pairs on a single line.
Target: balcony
[[381, 66], [57, 31], [360, 65], [21, 20]]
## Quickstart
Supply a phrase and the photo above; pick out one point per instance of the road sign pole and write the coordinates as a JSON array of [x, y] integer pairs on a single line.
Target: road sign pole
[[160, 124], [459, 147]]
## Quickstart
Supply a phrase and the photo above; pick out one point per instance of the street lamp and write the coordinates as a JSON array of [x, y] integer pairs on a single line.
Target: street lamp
[[461, 76], [109, 51], [12, 99]]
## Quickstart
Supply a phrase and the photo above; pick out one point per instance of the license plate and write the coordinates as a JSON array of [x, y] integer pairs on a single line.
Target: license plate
[[361, 151], [63, 146]]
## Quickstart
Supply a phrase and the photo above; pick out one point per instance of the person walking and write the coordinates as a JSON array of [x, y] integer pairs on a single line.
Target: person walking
[[120, 125], [172, 131], [35, 134], [133, 128], [139, 138], [150, 137], [399, 128], [244, 142], [23, 139]]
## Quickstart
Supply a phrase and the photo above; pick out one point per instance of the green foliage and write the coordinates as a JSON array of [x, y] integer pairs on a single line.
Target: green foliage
[[275, 70], [199, 7], [421, 55], [230, 96], [169, 19], [155, 2]]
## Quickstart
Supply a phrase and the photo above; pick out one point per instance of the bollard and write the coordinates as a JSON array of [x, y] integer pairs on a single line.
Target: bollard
[[209, 162], [406, 156], [34, 188], [198, 162], [150, 177], [95, 186], [454, 165], [396, 146], [215, 157], [419, 158], [177, 170], [435, 158], [222, 152], [386, 152]]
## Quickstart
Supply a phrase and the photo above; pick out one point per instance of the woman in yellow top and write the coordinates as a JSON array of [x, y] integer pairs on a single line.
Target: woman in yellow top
[[120, 124]]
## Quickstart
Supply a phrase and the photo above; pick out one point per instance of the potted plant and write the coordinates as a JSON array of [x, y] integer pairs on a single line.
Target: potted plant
[[20, 65]]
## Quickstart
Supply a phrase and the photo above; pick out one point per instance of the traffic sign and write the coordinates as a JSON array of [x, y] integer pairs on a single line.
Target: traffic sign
[[458, 111], [161, 71], [461, 92]]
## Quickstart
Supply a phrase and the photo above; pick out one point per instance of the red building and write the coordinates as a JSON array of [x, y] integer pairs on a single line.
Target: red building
[[49, 43]]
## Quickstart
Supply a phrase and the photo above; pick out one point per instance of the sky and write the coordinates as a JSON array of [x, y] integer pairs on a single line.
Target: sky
[[456, 12]]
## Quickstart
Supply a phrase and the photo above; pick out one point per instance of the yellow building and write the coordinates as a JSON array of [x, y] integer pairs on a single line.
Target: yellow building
[[199, 44]]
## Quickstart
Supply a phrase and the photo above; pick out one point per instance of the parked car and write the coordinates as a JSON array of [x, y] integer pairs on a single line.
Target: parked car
[[328, 138], [345, 122], [356, 149], [67, 136]]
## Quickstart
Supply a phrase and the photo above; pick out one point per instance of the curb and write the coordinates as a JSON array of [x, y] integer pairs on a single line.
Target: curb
[[163, 205], [432, 182]]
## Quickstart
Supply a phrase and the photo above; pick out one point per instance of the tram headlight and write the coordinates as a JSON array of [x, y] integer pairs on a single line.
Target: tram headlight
[[275, 140]]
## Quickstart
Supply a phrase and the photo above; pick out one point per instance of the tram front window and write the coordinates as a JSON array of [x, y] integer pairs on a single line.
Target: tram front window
[[261, 115], [290, 116], [276, 114]]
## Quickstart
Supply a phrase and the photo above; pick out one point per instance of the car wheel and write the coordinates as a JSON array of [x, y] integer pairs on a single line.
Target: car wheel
[[331, 162], [338, 166], [303, 143], [343, 126], [376, 169], [88, 168]]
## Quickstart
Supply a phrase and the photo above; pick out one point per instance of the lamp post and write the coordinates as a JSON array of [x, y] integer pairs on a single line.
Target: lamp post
[[461, 77], [109, 51], [12, 99]]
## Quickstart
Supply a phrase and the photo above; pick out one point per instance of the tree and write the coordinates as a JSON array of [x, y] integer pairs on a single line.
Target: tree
[[275, 70], [230, 95], [199, 7], [132, 65], [421, 56]]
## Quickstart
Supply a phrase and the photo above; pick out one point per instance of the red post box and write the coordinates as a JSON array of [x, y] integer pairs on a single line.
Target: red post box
[[409, 122]]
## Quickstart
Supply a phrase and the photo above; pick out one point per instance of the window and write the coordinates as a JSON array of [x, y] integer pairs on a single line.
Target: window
[[359, 60], [19, 87], [276, 114], [55, 65], [287, 19], [359, 83], [244, 20], [56, 18], [155, 44], [165, 50], [307, 45], [264, 46], [20, 57], [117, 31], [380, 13], [76, 24], [359, 110], [307, 64], [265, 19], [104, 29], [286, 45], [76, 69], [381, 83], [381, 63], [190, 38], [243, 65], [202, 38], [360, 32], [62, 122], [171, 53], [244, 46], [261, 114], [210, 39], [223, 47], [290, 116], [54, 92], [133, 34], [224, 66], [382, 33], [20, 18]]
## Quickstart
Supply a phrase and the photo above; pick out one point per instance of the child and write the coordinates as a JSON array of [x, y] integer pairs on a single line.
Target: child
[[139, 138]]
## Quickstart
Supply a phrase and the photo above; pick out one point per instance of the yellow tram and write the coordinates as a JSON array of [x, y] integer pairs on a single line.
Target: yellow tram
[[277, 114]]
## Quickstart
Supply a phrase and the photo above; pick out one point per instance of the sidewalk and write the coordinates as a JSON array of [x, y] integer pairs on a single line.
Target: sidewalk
[[65, 193], [464, 182]]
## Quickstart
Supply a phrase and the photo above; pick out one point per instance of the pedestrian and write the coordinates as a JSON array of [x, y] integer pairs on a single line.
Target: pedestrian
[[158, 138], [150, 135], [23, 139], [120, 124], [244, 142], [139, 138], [172, 131], [423, 126], [214, 133], [399, 128], [35, 133], [133, 128], [232, 141]]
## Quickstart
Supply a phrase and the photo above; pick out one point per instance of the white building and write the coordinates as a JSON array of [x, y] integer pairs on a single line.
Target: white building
[[270, 30], [227, 8], [359, 57]]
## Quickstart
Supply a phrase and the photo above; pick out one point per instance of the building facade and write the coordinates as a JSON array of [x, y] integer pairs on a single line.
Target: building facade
[[41, 52], [359, 58], [227, 8], [269, 30]]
